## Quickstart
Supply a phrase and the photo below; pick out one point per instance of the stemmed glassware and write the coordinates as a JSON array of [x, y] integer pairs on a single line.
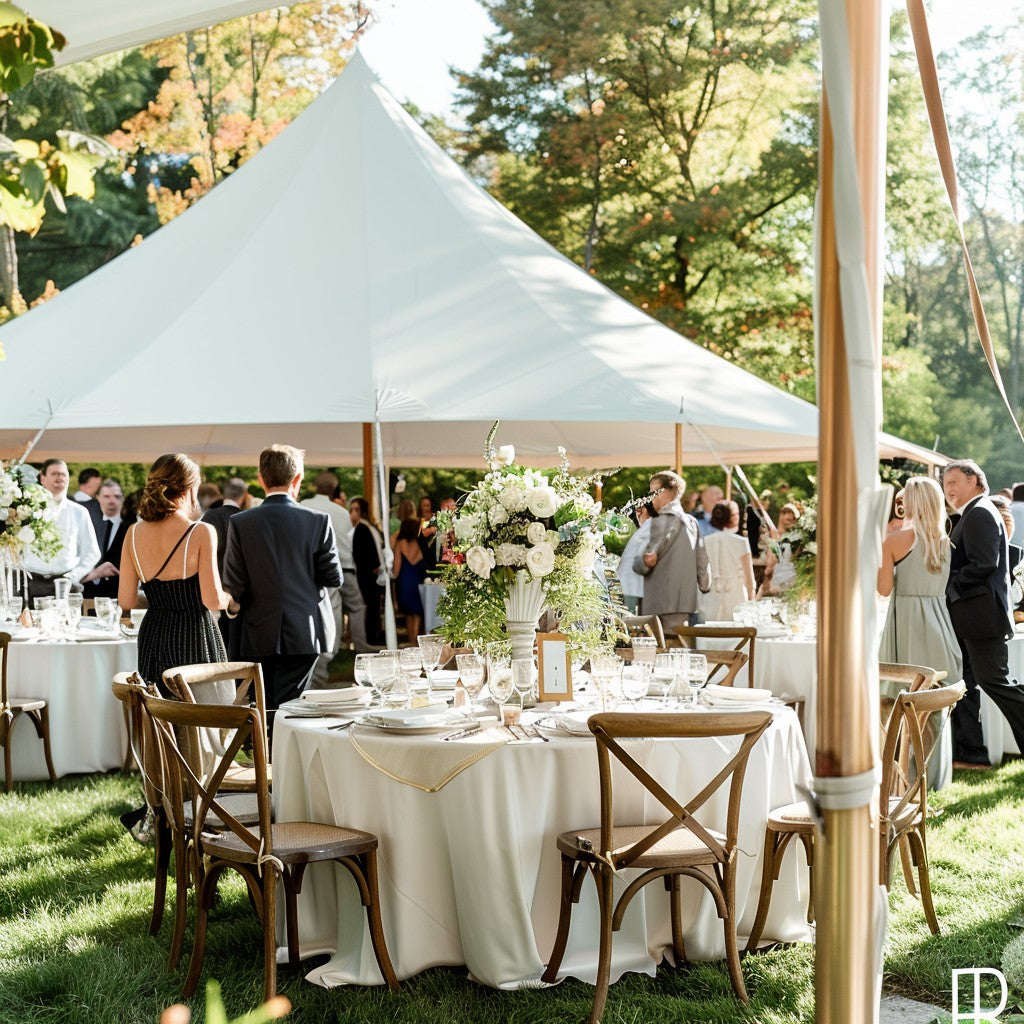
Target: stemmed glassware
[[471, 672], [664, 674], [411, 661], [499, 686], [634, 683], [522, 679], [696, 673], [431, 645], [72, 613], [12, 610], [361, 672], [606, 670]]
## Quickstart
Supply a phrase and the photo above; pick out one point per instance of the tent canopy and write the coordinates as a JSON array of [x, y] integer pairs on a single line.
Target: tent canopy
[[352, 271]]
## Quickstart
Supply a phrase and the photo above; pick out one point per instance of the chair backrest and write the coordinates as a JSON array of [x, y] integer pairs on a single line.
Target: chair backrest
[[645, 625], [723, 666], [744, 637], [173, 719], [220, 682], [910, 677], [609, 728], [5, 640], [128, 688], [909, 741]]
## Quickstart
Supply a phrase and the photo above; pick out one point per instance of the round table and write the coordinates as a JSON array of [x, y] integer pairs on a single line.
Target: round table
[[87, 732], [470, 874]]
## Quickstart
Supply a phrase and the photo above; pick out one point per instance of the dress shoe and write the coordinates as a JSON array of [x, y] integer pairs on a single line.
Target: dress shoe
[[971, 766]]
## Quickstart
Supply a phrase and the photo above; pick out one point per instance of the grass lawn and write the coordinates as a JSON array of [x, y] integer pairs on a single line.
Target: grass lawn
[[75, 896]]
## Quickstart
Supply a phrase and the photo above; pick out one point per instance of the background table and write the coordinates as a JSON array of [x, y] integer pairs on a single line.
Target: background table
[[430, 594], [470, 874], [87, 732]]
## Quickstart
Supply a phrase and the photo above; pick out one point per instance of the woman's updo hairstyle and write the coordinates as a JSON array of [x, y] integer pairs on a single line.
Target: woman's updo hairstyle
[[721, 514], [170, 478]]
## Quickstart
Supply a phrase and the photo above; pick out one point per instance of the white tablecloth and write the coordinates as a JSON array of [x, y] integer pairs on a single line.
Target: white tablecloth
[[470, 874], [87, 731]]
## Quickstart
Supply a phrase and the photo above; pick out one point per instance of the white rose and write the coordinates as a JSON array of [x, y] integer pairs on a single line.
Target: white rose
[[540, 560], [553, 539], [497, 515], [481, 561], [465, 528], [26, 535], [536, 533], [585, 558], [541, 501], [513, 497], [510, 554]]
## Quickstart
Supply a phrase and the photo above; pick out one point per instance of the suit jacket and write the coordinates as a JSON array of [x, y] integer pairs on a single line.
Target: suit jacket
[[978, 591], [107, 587], [278, 558], [218, 518], [670, 588]]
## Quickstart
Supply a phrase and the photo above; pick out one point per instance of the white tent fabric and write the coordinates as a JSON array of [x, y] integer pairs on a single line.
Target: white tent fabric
[[103, 26], [352, 271]]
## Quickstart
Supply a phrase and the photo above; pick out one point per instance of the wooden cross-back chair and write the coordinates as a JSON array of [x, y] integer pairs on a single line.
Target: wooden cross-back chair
[[681, 846], [744, 636], [35, 709], [172, 826], [264, 855], [645, 625]]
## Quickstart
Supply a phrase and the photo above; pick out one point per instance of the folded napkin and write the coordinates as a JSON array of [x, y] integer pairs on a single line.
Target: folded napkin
[[444, 679], [741, 694], [348, 695], [572, 722], [439, 715]]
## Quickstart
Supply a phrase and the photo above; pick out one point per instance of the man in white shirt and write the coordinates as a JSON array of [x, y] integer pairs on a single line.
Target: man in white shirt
[[347, 598], [79, 552]]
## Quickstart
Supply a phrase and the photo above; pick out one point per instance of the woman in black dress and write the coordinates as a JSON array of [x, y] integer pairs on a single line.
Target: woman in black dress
[[368, 558], [174, 558]]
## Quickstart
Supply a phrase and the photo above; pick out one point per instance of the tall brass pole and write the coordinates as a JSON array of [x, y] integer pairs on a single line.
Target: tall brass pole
[[847, 861], [368, 465], [679, 448]]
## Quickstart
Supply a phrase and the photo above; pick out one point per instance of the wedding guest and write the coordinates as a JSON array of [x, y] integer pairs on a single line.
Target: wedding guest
[[217, 515], [632, 581], [779, 569], [674, 564], [730, 564], [1017, 509], [406, 510], [210, 496], [408, 573], [710, 496], [280, 557], [111, 530], [79, 551], [428, 534], [89, 482], [978, 598], [339, 497], [368, 557]]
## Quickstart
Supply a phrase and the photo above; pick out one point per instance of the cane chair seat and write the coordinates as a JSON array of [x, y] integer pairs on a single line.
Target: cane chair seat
[[678, 847], [796, 817], [296, 842]]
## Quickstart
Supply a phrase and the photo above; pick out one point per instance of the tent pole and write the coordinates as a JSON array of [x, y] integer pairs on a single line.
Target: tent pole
[[368, 463], [679, 448], [846, 866], [390, 631], [728, 484]]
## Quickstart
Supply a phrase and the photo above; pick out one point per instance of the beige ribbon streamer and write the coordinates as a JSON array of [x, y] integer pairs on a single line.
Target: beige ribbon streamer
[[940, 135], [426, 766]]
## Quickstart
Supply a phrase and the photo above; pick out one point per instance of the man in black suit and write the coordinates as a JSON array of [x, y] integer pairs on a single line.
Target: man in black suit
[[217, 515], [978, 596], [279, 558], [111, 527]]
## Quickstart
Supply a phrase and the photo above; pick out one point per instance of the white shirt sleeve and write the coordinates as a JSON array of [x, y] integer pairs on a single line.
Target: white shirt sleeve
[[82, 541]]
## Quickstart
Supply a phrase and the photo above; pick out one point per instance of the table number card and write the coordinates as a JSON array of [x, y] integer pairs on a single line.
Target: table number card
[[554, 670]]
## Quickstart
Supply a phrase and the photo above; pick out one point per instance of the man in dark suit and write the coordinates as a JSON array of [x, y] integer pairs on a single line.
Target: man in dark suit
[[279, 558], [217, 515], [111, 527], [978, 596]]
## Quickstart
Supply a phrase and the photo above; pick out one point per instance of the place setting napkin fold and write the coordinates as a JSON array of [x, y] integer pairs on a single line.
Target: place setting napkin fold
[[424, 762]]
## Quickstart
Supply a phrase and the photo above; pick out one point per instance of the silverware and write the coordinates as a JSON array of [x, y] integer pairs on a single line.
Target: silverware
[[342, 725], [468, 731]]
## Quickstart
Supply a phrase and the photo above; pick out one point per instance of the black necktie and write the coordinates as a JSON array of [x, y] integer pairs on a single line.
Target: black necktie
[[105, 542]]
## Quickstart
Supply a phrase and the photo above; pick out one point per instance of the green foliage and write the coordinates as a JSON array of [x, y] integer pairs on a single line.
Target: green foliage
[[26, 45]]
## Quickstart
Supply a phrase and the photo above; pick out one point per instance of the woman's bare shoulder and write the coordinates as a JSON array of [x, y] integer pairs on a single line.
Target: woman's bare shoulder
[[900, 542]]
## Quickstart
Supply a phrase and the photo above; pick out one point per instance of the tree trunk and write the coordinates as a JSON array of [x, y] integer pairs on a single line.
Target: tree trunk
[[9, 290]]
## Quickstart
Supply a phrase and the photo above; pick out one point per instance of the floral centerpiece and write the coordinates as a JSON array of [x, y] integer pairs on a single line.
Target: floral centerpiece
[[802, 539], [523, 540], [27, 517]]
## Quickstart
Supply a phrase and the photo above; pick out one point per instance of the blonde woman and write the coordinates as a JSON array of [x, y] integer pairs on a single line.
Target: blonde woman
[[914, 571]]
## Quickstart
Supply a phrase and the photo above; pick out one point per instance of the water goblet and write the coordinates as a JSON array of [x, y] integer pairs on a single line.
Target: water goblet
[[431, 645], [102, 608], [664, 674], [61, 588], [696, 673], [395, 688], [14, 606], [634, 683], [644, 649], [72, 613], [361, 672], [410, 660], [499, 686], [522, 679], [471, 672], [606, 670]]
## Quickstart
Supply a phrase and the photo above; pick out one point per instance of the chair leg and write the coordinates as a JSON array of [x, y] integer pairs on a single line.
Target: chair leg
[[42, 724], [380, 948], [8, 727], [921, 857], [764, 898], [905, 862], [604, 879], [550, 976], [181, 884], [732, 954], [291, 918], [678, 945], [808, 842], [269, 932], [204, 897], [163, 844]]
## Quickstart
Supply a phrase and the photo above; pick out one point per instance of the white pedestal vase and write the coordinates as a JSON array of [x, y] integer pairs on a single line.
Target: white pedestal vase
[[523, 606]]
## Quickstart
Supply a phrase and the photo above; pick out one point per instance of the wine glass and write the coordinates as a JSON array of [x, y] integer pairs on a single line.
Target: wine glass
[[73, 612], [499, 686], [361, 672], [14, 606], [644, 650], [634, 684], [522, 679], [606, 670], [664, 674], [431, 645], [411, 661], [471, 672], [378, 668], [395, 688], [696, 673]]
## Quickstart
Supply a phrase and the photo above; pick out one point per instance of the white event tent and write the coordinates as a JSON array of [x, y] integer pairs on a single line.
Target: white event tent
[[351, 272]]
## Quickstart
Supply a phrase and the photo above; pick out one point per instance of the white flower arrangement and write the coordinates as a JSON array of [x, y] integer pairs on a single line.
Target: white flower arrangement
[[516, 526], [28, 517]]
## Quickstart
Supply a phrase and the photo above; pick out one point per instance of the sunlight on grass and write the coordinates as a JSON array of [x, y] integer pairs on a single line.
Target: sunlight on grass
[[76, 895]]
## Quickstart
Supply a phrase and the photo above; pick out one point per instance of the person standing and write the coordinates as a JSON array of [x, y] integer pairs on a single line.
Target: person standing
[[368, 558], [674, 564], [217, 515], [280, 557], [710, 496], [111, 530], [978, 596], [730, 565], [632, 581], [79, 550], [89, 481]]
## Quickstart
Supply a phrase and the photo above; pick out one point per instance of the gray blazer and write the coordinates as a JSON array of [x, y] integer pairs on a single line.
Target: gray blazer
[[670, 588]]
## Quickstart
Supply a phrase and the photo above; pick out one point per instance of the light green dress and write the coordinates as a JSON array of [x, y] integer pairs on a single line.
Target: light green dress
[[918, 632]]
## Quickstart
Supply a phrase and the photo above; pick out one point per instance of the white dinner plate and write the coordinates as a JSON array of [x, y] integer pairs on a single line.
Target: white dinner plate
[[444, 679], [350, 696], [415, 721]]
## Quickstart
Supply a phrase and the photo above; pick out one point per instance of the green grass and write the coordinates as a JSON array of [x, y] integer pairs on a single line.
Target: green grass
[[75, 896]]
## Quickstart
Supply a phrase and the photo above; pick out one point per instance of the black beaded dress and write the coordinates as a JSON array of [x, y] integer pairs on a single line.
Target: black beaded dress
[[177, 628]]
